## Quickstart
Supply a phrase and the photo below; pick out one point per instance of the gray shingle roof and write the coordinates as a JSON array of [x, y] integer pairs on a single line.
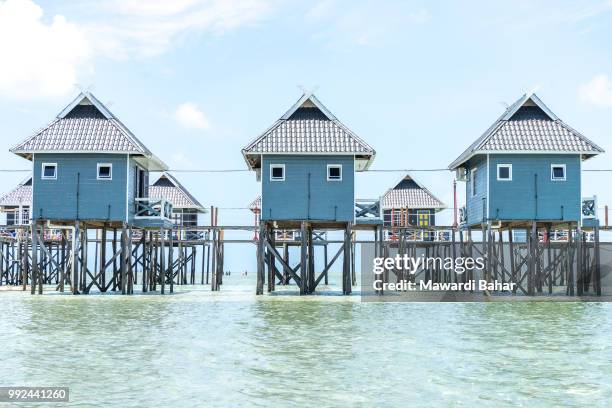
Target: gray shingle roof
[[20, 195], [528, 126], [308, 127], [84, 126], [410, 194], [169, 188]]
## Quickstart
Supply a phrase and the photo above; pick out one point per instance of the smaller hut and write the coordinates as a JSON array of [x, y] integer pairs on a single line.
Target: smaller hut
[[410, 204], [15, 205], [185, 207]]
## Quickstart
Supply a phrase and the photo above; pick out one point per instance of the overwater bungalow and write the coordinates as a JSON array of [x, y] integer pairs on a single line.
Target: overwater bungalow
[[306, 162], [15, 205], [525, 167], [88, 166], [410, 205]]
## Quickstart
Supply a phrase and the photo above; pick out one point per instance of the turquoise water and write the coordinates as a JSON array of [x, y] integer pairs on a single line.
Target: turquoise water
[[197, 348]]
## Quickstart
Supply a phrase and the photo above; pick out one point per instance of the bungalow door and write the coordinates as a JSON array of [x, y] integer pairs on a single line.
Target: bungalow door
[[141, 183], [423, 218]]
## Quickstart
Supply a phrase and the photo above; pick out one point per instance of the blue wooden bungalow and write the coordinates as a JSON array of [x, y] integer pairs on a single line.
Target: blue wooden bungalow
[[306, 162], [525, 167], [410, 204], [88, 166], [15, 205], [185, 207]]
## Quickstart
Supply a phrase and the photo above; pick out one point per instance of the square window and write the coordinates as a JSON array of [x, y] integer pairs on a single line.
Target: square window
[[504, 172], [105, 171], [49, 171], [334, 172], [557, 172], [277, 172]]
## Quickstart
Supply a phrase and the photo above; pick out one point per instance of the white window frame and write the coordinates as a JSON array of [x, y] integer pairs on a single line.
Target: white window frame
[[104, 165], [282, 166], [472, 184], [509, 166], [42, 173], [329, 166], [552, 174]]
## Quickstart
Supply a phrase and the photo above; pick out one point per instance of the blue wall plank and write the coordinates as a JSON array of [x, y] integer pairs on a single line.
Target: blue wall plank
[[289, 199], [475, 203], [57, 199], [515, 200]]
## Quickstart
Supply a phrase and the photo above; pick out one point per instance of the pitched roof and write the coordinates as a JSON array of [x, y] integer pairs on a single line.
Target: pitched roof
[[85, 126], [529, 126], [255, 204], [408, 193], [169, 188], [307, 128], [20, 195]]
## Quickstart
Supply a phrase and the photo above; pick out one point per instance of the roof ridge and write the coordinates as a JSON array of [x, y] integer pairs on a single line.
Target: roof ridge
[[504, 119], [420, 185], [283, 140]]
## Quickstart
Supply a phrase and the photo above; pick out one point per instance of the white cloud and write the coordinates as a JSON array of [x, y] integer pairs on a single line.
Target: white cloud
[[41, 58], [191, 117], [598, 91], [38, 59], [363, 23], [147, 28]]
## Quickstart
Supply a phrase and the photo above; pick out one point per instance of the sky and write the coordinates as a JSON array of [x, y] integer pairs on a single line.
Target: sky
[[196, 80]]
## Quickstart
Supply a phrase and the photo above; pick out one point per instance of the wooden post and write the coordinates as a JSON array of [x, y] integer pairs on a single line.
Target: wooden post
[[103, 259], [76, 241], [260, 258], [502, 258], [597, 282], [131, 272], [311, 261], [303, 259], [325, 263], [213, 282], [286, 274], [533, 236], [171, 260], [115, 270], [346, 278], [271, 261], [193, 264], [146, 261], [551, 272], [571, 278], [84, 245], [209, 246], [203, 262], [124, 258], [579, 262], [162, 261], [35, 265]]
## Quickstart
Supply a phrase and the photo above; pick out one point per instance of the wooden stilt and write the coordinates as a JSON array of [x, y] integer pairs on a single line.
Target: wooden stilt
[[76, 240], [170, 272], [260, 258], [162, 261], [35, 265], [304, 259]]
